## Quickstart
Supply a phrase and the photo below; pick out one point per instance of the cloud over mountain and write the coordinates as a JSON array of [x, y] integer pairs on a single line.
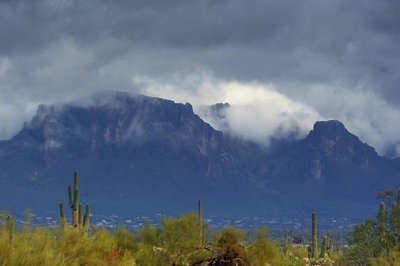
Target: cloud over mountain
[[331, 59]]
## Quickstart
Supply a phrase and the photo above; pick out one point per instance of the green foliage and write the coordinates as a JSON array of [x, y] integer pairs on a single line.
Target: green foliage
[[180, 237], [392, 259], [228, 247], [374, 242], [365, 242], [44, 246], [264, 251], [125, 240], [181, 241], [175, 241], [382, 221], [149, 235]]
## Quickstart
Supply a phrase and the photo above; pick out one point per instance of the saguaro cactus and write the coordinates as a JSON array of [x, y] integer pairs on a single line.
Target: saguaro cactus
[[328, 244], [324, 247], [286, 243], [80, 214], [63, 220], [86, 218], [314, 244], [10, 226], [201, 228], [78, 219], [382, 221], [74, 205], [395, 219]]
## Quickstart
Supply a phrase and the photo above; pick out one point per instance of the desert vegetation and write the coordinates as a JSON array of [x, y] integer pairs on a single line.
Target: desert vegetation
[[187, 240], [376, 242], [176, 241]]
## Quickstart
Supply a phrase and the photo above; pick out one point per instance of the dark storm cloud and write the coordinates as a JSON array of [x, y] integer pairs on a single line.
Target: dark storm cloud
[[312, 51]]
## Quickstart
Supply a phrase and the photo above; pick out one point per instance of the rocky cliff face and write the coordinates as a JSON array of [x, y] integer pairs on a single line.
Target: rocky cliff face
[[144, 154], [333, 140], [126, 126]]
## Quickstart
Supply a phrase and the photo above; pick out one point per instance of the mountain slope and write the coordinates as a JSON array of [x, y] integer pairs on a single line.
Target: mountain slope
[[139, 154]]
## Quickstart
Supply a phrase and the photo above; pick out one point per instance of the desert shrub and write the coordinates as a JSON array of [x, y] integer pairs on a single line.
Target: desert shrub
[[263, 251], [174, 242], [228, 248], [125, 240], [392, 259], [44, 246]]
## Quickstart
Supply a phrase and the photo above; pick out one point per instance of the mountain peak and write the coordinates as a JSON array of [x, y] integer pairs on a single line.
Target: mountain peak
[[332, 139], [330, 128], [152, 154], [332, 131], [121, 122]]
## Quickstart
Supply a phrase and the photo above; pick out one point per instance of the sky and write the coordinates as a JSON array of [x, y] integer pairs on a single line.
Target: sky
[[282, 65]]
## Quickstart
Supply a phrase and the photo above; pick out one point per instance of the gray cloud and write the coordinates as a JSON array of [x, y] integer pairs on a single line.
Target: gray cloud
[[316, 53]]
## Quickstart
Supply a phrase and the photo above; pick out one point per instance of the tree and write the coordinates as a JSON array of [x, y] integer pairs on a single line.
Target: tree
[[264, 251], [228, 249]]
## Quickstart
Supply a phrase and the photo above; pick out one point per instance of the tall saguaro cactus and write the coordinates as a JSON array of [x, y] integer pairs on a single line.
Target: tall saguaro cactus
[[63, 220], [86, 218], [73, 203], [10, 227], [395, 219], [382, 221], [324, 247], [201, 228], [314, 244], [329, 243], [286, 243]]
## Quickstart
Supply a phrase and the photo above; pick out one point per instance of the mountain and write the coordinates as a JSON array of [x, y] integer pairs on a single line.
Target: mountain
[[140, 155]]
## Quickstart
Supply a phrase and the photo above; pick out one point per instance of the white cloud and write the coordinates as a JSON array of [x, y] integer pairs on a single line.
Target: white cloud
[[258, 112], [364, 112], [13, 115], [55, 51]]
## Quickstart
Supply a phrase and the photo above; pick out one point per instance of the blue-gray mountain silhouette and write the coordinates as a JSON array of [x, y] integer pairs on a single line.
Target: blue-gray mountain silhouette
[[142, 155]]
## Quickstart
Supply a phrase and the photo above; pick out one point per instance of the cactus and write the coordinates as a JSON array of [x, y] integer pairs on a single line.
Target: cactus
[[10, 227], [314, 244], [382, 221], [201, 229], [74, 202], [286, 244], [63, 220], [79, 219], [331, 246], [80, 214], [324, 247], [395, 219], [328, 244], [309, 252], [86, 218]]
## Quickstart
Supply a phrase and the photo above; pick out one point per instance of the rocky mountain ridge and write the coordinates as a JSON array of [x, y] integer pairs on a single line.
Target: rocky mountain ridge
[[139, 154]]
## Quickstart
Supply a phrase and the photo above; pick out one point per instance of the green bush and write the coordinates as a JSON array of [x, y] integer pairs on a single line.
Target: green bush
[[175, 241]]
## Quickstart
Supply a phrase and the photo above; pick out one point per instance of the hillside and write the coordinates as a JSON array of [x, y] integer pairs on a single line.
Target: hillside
[[142, 155]]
